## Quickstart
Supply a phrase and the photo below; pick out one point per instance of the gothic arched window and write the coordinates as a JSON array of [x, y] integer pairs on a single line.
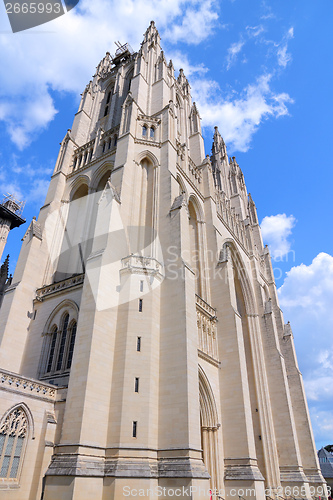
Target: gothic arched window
[[71, 345], [63, 339], [144, 130], [13, 435], [52, 349], [106, 111], [179, 116], [60, 349], [152, 132]]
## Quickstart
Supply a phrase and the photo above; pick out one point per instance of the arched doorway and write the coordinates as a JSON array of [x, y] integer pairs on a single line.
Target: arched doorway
[[209, 430]]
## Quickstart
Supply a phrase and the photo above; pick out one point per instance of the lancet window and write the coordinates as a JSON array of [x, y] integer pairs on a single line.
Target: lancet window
[[59, 343]]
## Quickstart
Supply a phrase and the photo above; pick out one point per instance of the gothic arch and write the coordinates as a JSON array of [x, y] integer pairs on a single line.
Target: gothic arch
[[180, 115], [266, 292], [129, 70], [229, 249], [70, 190], [197, 206], [208, 409], [197, 257], [253, 349], [80, 192], [109, 90], [209, 429], [109, 83], [58, 312], [182, 185], [72, 230], [145, 215], [128, 80], [16, 428], [98, 175], [27, 411], [56, 332], [149, 155]]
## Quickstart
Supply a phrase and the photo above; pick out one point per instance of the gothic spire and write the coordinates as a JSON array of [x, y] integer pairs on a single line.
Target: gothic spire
[[104, 66], [252, 211], [218, 144], [152, 36]]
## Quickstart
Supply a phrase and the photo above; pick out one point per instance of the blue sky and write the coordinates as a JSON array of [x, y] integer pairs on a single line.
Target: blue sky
[[261, 71]]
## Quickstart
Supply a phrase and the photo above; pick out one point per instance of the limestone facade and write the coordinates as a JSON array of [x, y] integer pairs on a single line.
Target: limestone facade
[[142, 343]]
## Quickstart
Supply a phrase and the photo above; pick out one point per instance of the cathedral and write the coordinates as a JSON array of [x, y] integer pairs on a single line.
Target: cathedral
[[143, 350]]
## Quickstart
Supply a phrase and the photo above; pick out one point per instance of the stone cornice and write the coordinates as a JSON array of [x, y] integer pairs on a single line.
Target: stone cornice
[[45, 291], [24, 385]]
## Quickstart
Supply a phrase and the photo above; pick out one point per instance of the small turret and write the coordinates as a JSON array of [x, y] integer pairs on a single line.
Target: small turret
[[104, 66], [171, 68], [151, 37], [195, 120], [218, 159], [183, 82], [252, 210]]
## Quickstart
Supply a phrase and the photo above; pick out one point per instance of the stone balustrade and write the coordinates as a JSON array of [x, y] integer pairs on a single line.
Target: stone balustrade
[[14, 382], [59, 287], [83, 155]]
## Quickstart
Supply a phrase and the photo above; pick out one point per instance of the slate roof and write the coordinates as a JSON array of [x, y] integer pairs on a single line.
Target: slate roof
[[326, 462]]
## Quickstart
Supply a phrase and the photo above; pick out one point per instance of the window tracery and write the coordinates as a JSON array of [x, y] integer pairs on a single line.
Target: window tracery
[[13, 434]]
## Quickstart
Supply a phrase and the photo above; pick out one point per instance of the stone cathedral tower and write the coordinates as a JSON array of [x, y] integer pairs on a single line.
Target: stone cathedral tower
[[142, 344]]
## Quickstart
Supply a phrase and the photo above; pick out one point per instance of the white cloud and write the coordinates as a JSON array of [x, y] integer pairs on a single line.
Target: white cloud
[[283, 56], [313, 284], [38, 191], [322, 424], [27, 115], [276, 230], [267, 11], [11, 188], [180, 60], [233, 52], [27, 181], [239, 116], [254, 31], [198, 22], [63, 54], [306, 298], [63, 59], [251, 32], [30, 170]]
